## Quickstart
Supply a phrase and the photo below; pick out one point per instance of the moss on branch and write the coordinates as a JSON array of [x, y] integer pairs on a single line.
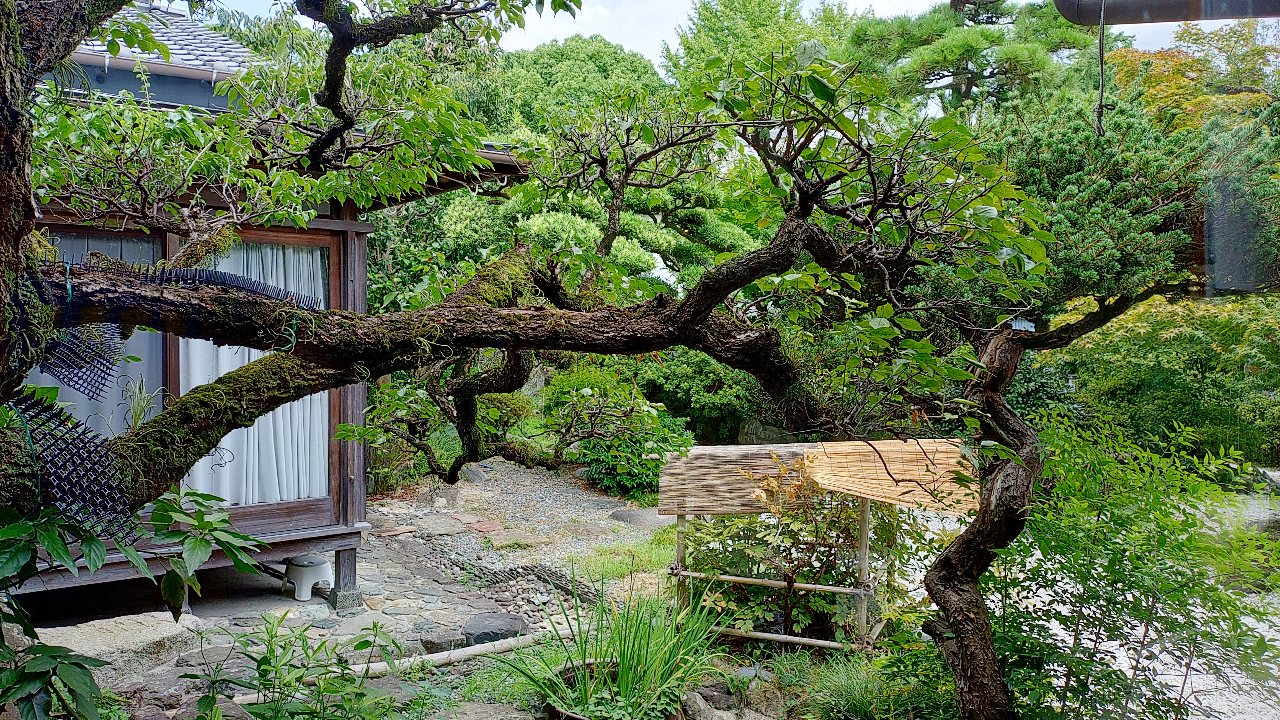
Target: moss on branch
[[162, 450]]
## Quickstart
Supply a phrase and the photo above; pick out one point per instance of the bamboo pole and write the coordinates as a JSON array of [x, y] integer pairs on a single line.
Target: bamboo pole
[[864, 561], [682, 582], [440, 659], [774, 637], [761, 582]]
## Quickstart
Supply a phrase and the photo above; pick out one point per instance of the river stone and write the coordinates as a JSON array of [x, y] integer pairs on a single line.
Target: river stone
[[435, 524], [491, 627], [643, 518], [512, 538]]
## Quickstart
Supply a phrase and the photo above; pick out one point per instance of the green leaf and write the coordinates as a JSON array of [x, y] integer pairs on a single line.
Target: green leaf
[[910, 325], [51, 540], [95, 553], [195, 552], [16, 530], [173, 588], [13, 558], [821, 89], [36, 706]]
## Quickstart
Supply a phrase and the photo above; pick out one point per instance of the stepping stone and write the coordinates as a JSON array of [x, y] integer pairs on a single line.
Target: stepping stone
[[133, 644], [583, 529], [507, 539], [643, 518], [491, 627], [435, 524], [466, 518], [436, 638], [486, 526], [392, 532]]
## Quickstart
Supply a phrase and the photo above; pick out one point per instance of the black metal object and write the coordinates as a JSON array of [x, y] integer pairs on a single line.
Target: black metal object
[[86, 358], [79, 475], [1136, 12], [161, 275]]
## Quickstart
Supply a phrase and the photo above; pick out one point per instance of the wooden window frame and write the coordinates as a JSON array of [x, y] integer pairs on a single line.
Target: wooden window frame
[[344, 504]]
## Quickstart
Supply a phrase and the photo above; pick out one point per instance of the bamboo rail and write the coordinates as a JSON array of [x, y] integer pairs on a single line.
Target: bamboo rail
[[775, 637], [763, 582]]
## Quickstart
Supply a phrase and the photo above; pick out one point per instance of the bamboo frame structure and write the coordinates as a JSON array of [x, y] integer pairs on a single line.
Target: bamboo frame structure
[[725, 480]]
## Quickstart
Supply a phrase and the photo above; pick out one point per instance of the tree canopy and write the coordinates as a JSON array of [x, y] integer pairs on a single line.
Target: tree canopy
[[869, 221]]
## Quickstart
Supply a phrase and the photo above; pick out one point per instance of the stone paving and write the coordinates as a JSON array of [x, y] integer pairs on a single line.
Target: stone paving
[[444, 569]]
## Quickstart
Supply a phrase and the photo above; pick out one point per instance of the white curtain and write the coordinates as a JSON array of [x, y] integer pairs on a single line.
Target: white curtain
[[285, 455]]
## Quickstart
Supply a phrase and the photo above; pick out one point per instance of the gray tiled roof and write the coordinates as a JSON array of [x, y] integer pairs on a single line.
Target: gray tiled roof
[[191, 44]]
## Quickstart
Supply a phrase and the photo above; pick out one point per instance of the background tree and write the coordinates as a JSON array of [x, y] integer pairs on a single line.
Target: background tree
[[867, 289], [578, 71]]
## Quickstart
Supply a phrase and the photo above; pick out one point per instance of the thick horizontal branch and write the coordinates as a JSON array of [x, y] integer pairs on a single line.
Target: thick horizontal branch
[[162, 450], [1107, 311]]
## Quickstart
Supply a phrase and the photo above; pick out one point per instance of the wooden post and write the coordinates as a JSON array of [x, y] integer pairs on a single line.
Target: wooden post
[[682, 583], [345, 593], [864, 562]]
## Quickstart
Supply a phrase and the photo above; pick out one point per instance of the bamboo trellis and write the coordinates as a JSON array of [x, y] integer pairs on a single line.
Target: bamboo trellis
[[725, 480]]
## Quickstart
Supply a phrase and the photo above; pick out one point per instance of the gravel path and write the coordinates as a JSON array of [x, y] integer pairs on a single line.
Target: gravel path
[[563, 517]]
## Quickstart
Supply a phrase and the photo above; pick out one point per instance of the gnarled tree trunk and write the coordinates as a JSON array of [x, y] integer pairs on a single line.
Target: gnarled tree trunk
[[962, 628]]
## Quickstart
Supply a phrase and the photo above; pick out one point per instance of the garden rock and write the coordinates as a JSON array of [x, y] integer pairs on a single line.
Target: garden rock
[[491, 627], [718, 696], [14, 637], [643, 518], [473, 472], [133, 644], [441, 639], [753, 673], [698, 708], [508, 538], [436, 524]]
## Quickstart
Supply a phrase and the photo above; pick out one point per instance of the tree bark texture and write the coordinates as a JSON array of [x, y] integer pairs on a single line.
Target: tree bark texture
[[962, 627]]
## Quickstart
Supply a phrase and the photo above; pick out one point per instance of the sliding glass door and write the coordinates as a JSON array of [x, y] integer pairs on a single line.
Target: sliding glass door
[[285, 455]]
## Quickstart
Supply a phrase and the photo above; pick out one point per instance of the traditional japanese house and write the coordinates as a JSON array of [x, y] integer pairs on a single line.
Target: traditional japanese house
[[289, 482]]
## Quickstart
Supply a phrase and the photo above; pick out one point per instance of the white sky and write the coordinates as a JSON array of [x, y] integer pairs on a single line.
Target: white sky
[[643, 25]]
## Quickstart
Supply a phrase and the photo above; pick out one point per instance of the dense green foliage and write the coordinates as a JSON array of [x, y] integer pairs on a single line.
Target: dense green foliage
[[716, 399], [574, 72], [1016, 203], [620, 437], [1133, 575], [908, 682], [627, 661], [1209, 366], [295, 676]]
